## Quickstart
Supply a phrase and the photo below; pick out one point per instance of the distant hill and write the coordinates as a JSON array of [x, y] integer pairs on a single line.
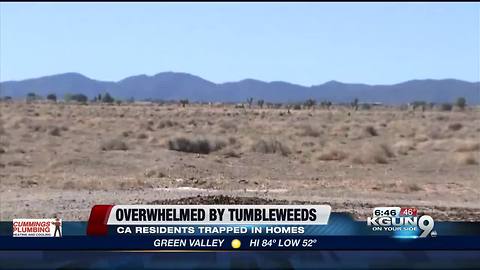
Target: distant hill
[[174, 86]]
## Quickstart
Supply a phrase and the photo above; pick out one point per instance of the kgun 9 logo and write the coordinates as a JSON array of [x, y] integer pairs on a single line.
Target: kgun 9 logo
[[389, 219]]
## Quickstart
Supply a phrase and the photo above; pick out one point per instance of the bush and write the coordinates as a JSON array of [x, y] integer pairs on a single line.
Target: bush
[[167, 123], [52, 97], [455, 126], [332, 155], [32, 96], [199, 146], [270, 147], [309, 103], [446, 107], [468, 146], [373, 153], [366, 106], [461, 103], [79, 98], [466, 159], [107, 98], [260, 103], [307, 130], [54, 131], [114, 144], [370, 130]]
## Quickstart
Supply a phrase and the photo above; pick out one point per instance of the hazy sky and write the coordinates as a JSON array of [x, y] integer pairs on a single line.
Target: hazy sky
[[304, 43]]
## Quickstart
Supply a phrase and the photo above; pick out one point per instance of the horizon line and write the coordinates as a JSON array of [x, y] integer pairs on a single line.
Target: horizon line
[[245, 79]]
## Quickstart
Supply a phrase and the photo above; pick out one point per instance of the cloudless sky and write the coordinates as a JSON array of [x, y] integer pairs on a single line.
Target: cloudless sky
[[304, 43]]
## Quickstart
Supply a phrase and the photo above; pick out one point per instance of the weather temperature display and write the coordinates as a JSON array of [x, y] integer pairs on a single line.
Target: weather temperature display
[[283, 243]]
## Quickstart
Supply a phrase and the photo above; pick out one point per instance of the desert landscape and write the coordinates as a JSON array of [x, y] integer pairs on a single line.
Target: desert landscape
[[59, 159]]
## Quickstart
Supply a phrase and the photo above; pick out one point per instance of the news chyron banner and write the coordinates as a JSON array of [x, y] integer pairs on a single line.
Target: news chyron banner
[[240, 227], [202, 226]]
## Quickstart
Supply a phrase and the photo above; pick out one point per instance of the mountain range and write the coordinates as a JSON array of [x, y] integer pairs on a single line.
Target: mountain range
[[174, 86]]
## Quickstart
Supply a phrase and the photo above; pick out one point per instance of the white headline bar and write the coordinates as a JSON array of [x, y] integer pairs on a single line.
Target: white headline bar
[[219, 214]]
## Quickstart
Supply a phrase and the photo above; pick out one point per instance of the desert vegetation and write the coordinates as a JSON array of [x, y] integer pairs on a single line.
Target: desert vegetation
[[353, 156]]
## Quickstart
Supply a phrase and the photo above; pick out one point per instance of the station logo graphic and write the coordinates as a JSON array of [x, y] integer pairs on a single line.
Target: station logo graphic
[[30, 227], [402, 222]]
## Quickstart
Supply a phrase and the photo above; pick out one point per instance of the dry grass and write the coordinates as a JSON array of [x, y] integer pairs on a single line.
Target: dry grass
[[372, 153], [167, 124], [270, 146], [309, 131], [346, 150]]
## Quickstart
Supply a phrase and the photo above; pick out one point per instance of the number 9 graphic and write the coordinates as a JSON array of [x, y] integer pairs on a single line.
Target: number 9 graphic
[[427, 228]]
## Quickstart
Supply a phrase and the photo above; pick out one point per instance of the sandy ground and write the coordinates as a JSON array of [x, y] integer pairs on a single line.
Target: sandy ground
[[61, 160]]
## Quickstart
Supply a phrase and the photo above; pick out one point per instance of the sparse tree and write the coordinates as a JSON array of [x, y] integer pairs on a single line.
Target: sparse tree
[[250, 102], [309, 103], [107, 98], [31, 96], [419, 103], [355, 104], [446, 107], [326, 104], [461, 103], [52, 97], [260, 103], [184, 102], [80, 98]]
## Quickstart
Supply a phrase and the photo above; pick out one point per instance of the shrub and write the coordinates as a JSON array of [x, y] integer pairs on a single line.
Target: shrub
[[199, 146], [370, 130], [309, 103], [366, 106], [167, 123], [79, 98], [307, 130], [373, 153], [184, 102], [466, 159], [446, 107], [54, 131], [461, 103], [455, 126], [32, 96], [114, 144], [270, 147], [332, 154], [468, 146], [228, 125], [142, 136], [107, 98], [260, 103], [52, 97], [403, 147]]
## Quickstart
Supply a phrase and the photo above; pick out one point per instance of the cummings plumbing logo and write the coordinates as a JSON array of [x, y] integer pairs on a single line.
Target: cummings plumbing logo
[[403, 222], [29, 227]]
